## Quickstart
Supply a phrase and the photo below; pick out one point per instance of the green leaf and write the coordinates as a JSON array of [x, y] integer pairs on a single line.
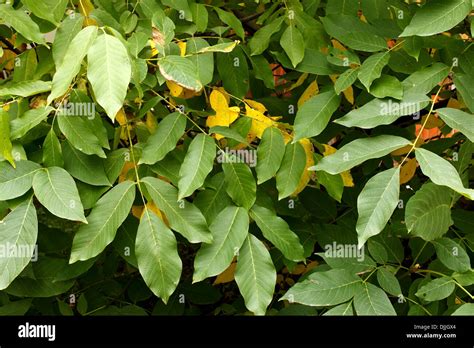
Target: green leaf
[[277, 231], [180, 70], [71, 63], [103, 222], [291, 170], [28, 287], [437, 16], [313, 117], [372, 67], [15, 182], [204, 62], [387, 86], [79, 135], [452, 255], [424, 80], [89, 169], [344, 309], [465, 89], [19, 307], [388, 282], [458, 120], [51, 10], [6, 146], [197, 164], [345, 80], [261, 39], [18, 230], [229, 230], [371, 300], [229, 133], [334, 184], [25, 88], [465, 309], [169, 131], [200, 15], [241, 186], [156, 250], [293, 44], [234, 72], [354, 33], [428, 212], [52, 152], [30, 119], [183, 217], [270, 153], [214, 198], [441, 172], [437, 289], [232, 21], [413, 45], [21, 22], [109, 71], [383, 111], [57, 192], [225, 47], [376, 203], [324, 288], [346, 7], [255, 275], [359, 151], [66, 32]]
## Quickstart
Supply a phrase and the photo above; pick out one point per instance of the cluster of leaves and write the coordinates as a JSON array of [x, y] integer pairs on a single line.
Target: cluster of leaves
[[138, 151]]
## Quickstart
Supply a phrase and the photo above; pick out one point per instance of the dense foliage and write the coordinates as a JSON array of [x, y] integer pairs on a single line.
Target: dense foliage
[[207, 157]]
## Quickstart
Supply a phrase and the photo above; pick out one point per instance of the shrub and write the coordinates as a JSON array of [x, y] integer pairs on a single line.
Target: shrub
[[182, 157]]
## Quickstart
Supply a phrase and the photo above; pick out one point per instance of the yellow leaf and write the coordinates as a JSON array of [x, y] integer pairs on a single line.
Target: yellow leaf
[[227, 276], [310, 266], [298, 269], [347, 179], [225, 115], [121, 117], [298, 82], [286, 137], [328, 150], [175, 89], [433, 122], [8, 59], [218, 100], [182, 48], [260, 122], [408, 170], [85, 8], [310, 92], [348, 92], [336, 44], [256, 105], [404, 150], [126, 168], [306, 177], [154, 50], [150, 122], [137, 211]]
